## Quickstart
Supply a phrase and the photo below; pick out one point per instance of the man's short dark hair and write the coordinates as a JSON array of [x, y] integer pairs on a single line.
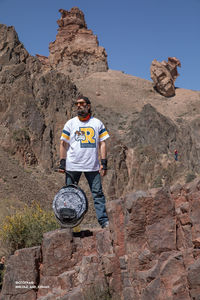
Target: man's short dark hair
[[87, 100]]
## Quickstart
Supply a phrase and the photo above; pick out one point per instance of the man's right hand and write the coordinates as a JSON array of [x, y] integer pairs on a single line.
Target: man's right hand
[[62, 166]]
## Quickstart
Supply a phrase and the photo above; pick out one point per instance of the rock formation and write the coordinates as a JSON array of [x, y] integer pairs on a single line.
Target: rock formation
[[75, 51], [12, 52], [144, 158], [151, 251], [164, 75], [30, 102]]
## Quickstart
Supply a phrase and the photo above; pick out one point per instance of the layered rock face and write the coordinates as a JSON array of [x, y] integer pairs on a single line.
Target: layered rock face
[[145, 157], [164, 75], [150, 251], [33, 105], [11, 49], [76, 51]]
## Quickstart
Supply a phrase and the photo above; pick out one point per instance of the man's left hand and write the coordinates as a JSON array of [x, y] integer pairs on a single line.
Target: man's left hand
[[102, 171]]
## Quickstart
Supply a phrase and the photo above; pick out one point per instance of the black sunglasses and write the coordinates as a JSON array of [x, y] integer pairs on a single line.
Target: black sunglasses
[[80, 103]]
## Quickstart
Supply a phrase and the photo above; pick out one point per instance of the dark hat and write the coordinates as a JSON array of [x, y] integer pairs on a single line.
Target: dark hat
[[87, 100]]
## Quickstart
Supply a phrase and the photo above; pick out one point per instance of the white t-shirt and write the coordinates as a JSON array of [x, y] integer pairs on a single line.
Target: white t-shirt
[[83, 139]]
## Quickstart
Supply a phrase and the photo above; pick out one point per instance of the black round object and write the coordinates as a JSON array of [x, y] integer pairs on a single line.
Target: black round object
[[70, 205]]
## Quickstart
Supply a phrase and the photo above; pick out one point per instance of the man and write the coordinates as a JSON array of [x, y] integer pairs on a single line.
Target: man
[[81, 140], [176, 155]]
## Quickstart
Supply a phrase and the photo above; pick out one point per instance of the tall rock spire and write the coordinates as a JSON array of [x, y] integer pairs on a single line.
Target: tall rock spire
[[76, 51]]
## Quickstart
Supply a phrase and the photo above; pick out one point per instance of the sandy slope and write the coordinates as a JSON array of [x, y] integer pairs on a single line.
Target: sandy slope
[[127, 94]]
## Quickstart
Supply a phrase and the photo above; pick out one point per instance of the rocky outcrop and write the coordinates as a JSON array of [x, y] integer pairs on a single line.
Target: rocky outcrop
[[22, 274], [145, 157], [12, 52], [76, 51], [164, 75], [34, 104], [151, 251]]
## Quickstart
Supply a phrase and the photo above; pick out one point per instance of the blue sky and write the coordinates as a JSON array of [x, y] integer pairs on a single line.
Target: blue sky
[[133, 32]]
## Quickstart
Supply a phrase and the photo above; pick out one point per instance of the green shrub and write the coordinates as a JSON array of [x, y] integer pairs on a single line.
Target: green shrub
[[20, 135], [157, 182], [190, 177], [25, 228]]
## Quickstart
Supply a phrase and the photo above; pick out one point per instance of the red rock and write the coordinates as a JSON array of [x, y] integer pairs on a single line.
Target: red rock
[[48, 285], [115, 212], [164, 75], [194, 279], [179, 200], [57, 249], [22, 274], [185, 219], [76, 51], [136, 258], [196, 242], [161, 236]]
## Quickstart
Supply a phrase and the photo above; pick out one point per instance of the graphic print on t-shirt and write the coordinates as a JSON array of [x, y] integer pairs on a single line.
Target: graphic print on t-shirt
[[79, 135], [86, 137]]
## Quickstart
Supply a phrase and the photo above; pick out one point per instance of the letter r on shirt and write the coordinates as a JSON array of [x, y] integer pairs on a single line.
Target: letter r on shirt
[[90, 140]]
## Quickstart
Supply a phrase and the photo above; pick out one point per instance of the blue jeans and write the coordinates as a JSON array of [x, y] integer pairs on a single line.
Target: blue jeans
[[94, 181]]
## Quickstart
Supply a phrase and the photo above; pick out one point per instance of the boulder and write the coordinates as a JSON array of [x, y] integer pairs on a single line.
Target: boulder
[[22, 274], [164, 75]]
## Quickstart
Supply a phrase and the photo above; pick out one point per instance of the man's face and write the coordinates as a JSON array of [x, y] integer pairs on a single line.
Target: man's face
[[82, 107]]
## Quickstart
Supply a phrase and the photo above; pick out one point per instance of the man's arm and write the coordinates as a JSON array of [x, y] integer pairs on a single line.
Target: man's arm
[[103, 155], [63, 151]]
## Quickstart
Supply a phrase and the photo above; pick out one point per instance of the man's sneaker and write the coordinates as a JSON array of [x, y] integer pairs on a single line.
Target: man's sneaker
[[105, 225]]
